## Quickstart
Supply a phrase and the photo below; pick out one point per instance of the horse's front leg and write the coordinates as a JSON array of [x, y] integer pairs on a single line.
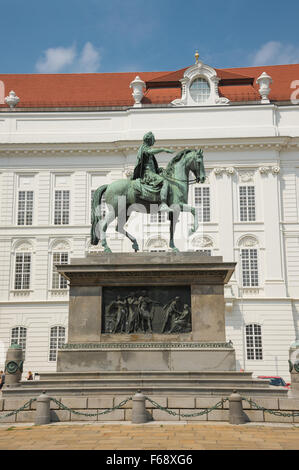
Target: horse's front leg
[[120, 228], [109, 217], [173, 217]]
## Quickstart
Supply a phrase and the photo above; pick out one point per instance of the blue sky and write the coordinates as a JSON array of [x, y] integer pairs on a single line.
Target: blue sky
[[62, 36]]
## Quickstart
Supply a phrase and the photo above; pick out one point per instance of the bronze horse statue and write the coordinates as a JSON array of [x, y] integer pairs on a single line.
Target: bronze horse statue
[[127, 195]]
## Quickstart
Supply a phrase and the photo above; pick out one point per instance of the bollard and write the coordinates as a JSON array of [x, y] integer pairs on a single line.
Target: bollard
[[139, 413], [43, 415], [236, 414], [13, 366]]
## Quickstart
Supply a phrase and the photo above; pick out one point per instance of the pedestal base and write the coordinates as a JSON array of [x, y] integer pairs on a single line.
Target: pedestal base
[[193, 357]]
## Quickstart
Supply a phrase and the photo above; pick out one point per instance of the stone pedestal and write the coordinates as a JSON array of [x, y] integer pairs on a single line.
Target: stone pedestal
[[97, 280], [13, 365]]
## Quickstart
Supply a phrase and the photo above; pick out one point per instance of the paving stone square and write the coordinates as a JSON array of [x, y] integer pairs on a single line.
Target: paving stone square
[[150, 436]]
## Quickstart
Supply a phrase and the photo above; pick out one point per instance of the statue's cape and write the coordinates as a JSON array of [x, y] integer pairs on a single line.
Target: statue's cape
[[139, 169]]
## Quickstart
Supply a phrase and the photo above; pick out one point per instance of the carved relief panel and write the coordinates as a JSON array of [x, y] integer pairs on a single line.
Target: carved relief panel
[[146, 310]]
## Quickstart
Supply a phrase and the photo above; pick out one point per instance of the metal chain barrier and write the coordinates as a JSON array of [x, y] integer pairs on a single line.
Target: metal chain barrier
[[109, 410], [200, 413], [272, 412], [217, 406], [15, 412]]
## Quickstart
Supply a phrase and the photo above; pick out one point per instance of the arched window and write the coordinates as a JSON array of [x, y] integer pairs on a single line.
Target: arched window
[[59, 251], [254, 347], [157, 245], [200, 90], [23, 265], [204, 252], [250, 274], [202, 245], [57, 339], [59, 282], [18, 336]]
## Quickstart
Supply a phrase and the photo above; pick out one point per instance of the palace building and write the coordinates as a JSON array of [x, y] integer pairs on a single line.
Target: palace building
[[64, 135]]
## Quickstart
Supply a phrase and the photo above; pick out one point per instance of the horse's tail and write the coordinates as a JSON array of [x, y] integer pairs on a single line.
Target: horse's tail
[[96, 213]]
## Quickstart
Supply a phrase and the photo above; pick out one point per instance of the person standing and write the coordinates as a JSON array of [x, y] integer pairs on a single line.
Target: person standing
[[30, 376], [2, 380]]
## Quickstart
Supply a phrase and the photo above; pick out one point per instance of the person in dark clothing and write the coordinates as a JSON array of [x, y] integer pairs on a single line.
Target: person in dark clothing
[[29, 376], [2, 380]]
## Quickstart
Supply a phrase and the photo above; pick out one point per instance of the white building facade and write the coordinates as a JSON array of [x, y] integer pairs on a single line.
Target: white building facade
[[52, 158]]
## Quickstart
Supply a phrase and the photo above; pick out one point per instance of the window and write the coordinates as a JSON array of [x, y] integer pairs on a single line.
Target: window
[[58, 281], [202, 203], [200, 90], [157, 245], [204, 252], [18, 336], [254, 342], [25, 208], [159, 217], [22, 271], [62, 207], [57, 339], [250, 267], [247, 203]]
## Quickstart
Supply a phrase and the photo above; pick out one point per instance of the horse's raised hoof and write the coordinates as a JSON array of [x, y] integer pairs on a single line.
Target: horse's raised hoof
[[164, 208], [135, 247]]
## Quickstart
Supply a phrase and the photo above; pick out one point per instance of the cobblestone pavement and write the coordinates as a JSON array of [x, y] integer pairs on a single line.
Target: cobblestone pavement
[[151, 436]]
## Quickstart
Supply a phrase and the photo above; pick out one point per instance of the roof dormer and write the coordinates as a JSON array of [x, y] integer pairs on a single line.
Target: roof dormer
[[200, 87]]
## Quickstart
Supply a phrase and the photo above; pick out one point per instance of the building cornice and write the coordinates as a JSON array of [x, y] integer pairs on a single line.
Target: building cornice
[[67, 149]]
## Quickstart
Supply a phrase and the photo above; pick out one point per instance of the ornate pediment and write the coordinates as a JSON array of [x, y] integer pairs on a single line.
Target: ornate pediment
[[23, 246], [202, 242], [248, 241], [61, 245]]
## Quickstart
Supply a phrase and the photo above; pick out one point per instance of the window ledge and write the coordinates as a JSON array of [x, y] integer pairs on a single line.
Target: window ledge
[[21, 292], [250, 291], [58, 292], [251, 222]]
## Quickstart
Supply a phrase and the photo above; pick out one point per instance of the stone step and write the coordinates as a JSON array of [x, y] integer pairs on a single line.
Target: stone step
[[144, 374], [171, 390], [147, 382]]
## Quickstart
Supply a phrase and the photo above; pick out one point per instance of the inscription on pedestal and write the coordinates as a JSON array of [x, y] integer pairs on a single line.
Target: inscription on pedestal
[[164, 310]]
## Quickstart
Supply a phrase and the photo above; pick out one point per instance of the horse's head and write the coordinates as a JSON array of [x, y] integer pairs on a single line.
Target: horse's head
[[197, 166]]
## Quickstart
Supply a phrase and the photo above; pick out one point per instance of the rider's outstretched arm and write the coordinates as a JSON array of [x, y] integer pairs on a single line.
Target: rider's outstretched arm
[[153, 151]]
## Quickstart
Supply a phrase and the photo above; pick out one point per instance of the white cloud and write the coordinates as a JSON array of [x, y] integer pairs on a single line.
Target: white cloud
[[89, 60], [276, 53], [67, 59], [56, 59]]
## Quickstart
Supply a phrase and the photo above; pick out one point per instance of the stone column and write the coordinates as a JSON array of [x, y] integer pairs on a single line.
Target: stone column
[[225, 212], [274, 282]]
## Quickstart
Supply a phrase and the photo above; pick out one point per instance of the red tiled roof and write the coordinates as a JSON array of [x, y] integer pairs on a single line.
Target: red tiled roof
[[112, 89], [240, 93]]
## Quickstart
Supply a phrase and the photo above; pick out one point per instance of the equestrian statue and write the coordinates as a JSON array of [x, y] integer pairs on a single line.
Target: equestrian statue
[[150, 185]]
